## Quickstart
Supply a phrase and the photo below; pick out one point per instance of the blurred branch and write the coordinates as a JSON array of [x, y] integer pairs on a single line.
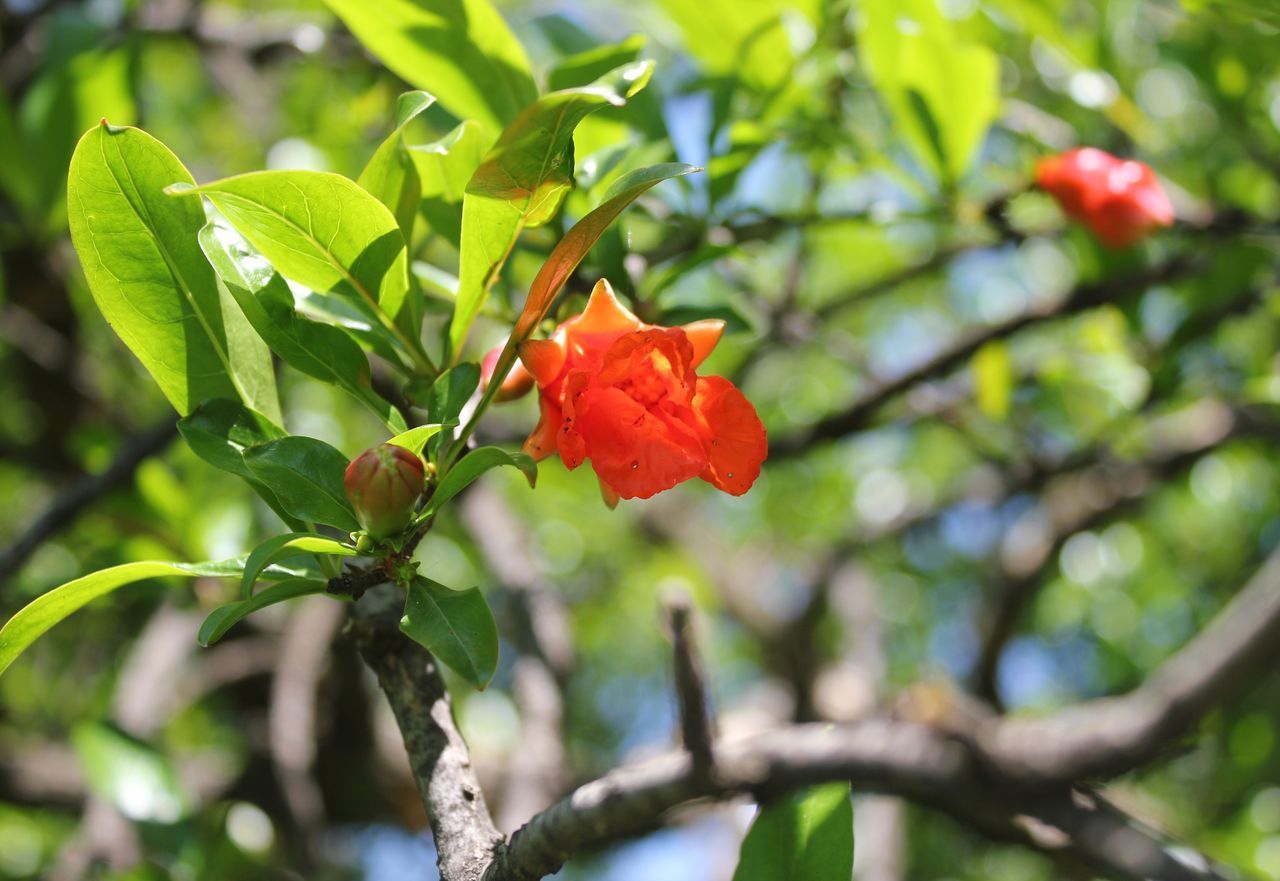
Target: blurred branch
[[464, 832], [878, 755], [1086, 296], [691, 686], [1087, 500], [68, 505]]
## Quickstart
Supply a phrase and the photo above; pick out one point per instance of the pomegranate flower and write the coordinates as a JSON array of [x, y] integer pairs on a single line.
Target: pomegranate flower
[[1120, 200], [626, 396]]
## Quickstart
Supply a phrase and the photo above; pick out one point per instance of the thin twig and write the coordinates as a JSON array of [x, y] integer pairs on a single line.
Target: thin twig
[[696, 726]]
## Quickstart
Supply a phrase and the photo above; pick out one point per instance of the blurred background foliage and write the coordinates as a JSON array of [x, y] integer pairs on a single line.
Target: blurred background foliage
[[865, 209]]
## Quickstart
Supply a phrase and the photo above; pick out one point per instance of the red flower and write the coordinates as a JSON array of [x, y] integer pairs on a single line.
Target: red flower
[[626, 396], [1120, 200]]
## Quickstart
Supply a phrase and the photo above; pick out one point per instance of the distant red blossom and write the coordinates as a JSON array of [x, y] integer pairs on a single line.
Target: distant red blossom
[[1120, 200], [626, 396]]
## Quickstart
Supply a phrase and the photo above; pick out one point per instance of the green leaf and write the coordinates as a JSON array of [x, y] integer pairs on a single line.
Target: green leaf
[[129, 774], [471, 466], [522, 182], [282, 546], [443, 168], [221, 619], [391, 175], [415, 439], [149, 278], [578, 241], [306, 475], [460, 50], [318, 350], [454, 625], [46, 610], [582, 68], [745, 39], [321, 230], [805, 836], [944, 93], [993, 380], [451, 391], [220, 431]]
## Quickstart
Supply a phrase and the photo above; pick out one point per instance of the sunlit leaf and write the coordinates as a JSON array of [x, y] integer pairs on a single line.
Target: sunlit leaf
[[150, 280], [390, 175], [49, 608], [318, 350], [993, 380], [804, 836], [459, 50], [522, 182]]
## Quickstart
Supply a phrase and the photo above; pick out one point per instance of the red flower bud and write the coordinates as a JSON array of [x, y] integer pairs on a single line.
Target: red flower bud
[[1120, 200], [384, 484], [517, 382]]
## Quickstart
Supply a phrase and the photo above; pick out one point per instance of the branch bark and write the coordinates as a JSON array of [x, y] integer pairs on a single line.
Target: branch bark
[[465, 836]]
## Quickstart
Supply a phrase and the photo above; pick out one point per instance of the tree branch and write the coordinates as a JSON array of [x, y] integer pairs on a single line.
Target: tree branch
[[460, 823], [691, 688]]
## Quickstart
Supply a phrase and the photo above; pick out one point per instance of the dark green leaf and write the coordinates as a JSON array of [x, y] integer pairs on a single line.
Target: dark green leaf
[[582, 68], [471, 466], [221, 619], [522, 182], [316, 349], [451, 391], [149, 278], [804, 836], [454, 625], [220, 431], [306, 475], [460, 50]]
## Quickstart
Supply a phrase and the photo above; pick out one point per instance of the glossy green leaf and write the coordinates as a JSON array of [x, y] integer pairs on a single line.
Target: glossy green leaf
[[306, 475], [460, 50], [319, 229], [415, 439], [129, 774], [318, 350], [49, 608], [993, 380], [456, 626], [804, 836], [522, 182], [943, 92], [220, 431], [443, 168], [471, 466], [391, 175], [282, 546], [584, 67], [578, 241], [150, 280], [221, 619]]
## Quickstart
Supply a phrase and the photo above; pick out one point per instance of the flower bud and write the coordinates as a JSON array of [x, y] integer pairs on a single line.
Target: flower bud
[[384, 484], [517, 382]]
